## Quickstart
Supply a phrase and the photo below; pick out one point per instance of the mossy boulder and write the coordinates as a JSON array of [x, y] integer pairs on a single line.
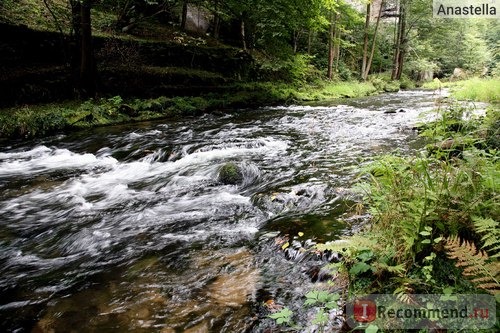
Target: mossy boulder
[[230, 174]]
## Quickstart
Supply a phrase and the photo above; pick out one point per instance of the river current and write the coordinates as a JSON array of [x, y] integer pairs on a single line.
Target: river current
[[129, 229]]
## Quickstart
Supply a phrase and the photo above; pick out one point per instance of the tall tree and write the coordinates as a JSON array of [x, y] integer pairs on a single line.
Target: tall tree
[[87, 80], [365, 40], [369, 61], [331, 44], [400, 42], [184, 14]]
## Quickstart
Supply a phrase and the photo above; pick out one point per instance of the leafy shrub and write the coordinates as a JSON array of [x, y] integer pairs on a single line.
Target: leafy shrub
[[295, 69]]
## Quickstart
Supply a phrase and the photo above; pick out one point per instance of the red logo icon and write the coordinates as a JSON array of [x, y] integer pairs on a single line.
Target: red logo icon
[[365, 311]]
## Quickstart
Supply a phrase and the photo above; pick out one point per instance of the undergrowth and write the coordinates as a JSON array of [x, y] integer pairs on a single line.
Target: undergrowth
[[41, 120]]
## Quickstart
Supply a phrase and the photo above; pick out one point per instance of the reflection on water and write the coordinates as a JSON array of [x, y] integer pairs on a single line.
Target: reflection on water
[[129, 228]]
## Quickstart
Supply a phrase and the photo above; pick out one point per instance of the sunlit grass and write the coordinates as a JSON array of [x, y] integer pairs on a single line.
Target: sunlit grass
[[333, 90], [480, 90], [475, 89]]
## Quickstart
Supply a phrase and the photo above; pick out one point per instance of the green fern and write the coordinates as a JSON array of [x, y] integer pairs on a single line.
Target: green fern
[[350, 245], [477, 265], [490, 231]]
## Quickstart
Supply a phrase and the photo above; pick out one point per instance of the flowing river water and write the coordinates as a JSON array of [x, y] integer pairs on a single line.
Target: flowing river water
[[128, 228]]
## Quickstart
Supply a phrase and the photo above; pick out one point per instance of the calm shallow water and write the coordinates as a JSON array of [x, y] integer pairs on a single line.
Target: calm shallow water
[[128, 228]]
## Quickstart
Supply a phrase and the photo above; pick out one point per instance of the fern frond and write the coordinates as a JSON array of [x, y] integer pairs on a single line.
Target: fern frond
[[490, 231], [404, 293], [476, 264], [356, 243]]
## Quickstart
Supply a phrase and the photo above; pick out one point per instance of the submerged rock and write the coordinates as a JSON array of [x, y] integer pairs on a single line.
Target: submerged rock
[[230, 174]]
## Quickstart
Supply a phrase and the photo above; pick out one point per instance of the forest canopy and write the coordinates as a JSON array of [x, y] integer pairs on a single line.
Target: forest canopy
[[290, 40]]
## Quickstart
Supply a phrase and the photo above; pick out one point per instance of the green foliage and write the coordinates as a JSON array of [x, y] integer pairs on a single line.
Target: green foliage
[[296, 69], [321, 318], [474, 89], [427, 197], [442, 45], [326, 301], [384, 83], [489, 230], [34, 14], [456, 122], [322, 298], [27, 122], [435, 84], [359, 268], [406, 83], [282, 317], [481, 90]]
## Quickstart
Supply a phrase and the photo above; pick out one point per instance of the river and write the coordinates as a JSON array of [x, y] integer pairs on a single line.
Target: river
[[128, 228]]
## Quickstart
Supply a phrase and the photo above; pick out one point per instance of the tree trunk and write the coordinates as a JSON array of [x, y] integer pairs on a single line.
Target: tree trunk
[[87, 84], [331, 46], [398, 59], [295, 41], [374, 43], [75, 34], [242, 34], [365, 41], [402, 43], [216, 26], [336, 43], [75, 21], [397, 46], [216, 20], [184, 15], [309, 42]]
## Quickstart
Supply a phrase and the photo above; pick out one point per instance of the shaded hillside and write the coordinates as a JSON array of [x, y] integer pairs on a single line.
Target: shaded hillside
[[35, 66]]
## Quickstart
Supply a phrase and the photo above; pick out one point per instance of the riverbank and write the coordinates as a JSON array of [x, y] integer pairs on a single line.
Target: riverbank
[[433, 225], [45, 119], [474, 89]]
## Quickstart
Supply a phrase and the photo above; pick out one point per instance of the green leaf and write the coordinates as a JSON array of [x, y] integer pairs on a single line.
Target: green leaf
[[359, 268], [426, 241], [371, 329], [332, 305], [321, 318], [323, 296], [312, 294], [425, 233], [365, 256], [283, 316], [437, 240]]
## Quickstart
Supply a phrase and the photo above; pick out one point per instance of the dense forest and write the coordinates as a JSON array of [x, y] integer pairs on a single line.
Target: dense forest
[[287, 41], [248, 166]]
